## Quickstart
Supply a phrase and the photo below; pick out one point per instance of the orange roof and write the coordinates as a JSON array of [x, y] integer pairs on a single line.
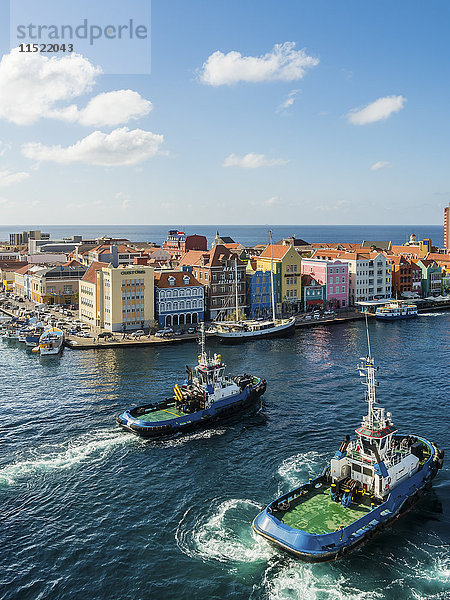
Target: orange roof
[[162, 279], [89, 276], [72, 263], [23, 270], [278, 252], [212, 258]]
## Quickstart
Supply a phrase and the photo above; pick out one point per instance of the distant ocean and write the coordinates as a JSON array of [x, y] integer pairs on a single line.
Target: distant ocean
[[246, 234]]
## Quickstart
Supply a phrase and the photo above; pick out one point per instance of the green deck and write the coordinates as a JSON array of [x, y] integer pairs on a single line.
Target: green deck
[[162, 415], [317, 513]]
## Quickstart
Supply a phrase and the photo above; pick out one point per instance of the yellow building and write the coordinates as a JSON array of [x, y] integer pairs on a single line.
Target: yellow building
[[287, 265], [117, 298]]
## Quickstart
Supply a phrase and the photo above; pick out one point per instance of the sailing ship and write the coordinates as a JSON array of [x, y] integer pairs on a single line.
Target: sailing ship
[[243, 330], [370, 482], [206, 396], [396, 309]]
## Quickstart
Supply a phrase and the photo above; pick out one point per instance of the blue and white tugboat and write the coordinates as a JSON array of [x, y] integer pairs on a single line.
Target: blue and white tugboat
[[396, 309], [205, 397], [369, 484]]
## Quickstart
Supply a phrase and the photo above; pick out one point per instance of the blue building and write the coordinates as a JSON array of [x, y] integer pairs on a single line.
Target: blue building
[[259, 300], [314, 294], [179, 299]]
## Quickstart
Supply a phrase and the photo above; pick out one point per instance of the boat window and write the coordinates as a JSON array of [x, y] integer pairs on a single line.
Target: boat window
[[356, 468], [367, 471], [383, 443]]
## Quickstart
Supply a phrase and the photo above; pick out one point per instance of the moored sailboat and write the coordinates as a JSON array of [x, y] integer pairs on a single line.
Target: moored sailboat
[[243, 330]]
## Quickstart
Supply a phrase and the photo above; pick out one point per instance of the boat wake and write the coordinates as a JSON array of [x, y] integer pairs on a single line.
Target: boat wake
[[435, 314], [90, 448], [223, 533], [184, 438], [292, 579], [296, 469]]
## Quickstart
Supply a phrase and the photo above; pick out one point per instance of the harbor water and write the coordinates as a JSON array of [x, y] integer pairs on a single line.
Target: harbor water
[[92, 512]]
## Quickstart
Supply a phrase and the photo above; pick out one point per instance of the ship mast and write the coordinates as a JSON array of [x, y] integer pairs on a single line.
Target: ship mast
[[375, 418], [271, 277], [202, 343], [236, 289]]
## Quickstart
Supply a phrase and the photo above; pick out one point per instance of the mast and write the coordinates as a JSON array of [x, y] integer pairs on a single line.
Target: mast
[[236, 290], [271, 276], [375, 418], [202, 343]]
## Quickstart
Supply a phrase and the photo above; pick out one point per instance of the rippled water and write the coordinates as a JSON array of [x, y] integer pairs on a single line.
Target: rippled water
[[90, 511]]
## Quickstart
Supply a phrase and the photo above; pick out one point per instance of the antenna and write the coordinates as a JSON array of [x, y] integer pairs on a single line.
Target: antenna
[[271, 277], [201, 341], [368, 337]]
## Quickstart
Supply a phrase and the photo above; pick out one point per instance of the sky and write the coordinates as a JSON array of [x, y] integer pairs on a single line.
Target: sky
[[237, 112]]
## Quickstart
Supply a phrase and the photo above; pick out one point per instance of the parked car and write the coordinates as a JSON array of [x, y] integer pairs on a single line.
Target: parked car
[[179, 332], [138, 333], [191, 330], [73, 331], [105, 334]]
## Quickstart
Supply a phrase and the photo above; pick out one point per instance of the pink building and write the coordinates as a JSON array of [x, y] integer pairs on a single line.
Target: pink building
[[332, 273]]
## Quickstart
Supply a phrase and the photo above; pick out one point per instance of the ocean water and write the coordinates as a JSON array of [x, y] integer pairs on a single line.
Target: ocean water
[[89, 511], [246, 234]]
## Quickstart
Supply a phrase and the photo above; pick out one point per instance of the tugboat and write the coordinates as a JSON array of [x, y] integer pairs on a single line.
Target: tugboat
[[396, 309], [369, 484], [205, 397]]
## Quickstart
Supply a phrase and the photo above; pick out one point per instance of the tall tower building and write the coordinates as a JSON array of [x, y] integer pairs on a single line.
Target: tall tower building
[[447, 227]]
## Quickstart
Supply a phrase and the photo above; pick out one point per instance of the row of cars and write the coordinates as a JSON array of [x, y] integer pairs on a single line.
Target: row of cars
[[168, 332]]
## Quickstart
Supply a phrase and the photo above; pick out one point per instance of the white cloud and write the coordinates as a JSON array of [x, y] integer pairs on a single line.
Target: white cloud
[[4, 148], [109, 108], [272, 201], [379, 110], [252, 161], [120, 147], [381, 164], [124, 199], [289, 101], [8, 178], [283, 63], [32, 84]]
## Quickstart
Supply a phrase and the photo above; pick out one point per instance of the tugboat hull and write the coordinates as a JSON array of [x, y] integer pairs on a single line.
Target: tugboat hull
[[233, 337], [183, 422], [315, 547]]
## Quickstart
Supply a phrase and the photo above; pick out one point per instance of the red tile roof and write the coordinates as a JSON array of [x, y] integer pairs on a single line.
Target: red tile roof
[[212, 258], [162, 279], [89, 276], [278, 252]]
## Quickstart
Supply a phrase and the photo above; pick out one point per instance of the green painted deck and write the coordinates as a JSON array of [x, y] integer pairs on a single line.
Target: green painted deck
[[162, 415], [318, 513]]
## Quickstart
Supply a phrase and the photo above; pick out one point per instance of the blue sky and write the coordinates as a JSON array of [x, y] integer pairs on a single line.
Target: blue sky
[[312, 161]]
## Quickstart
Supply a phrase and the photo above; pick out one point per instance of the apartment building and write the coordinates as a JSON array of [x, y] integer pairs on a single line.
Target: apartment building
[[117, 298]]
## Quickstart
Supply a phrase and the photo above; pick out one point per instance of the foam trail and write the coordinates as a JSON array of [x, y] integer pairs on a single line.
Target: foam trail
[[93, 448], [296, 580], [296, 469], [224, 535]]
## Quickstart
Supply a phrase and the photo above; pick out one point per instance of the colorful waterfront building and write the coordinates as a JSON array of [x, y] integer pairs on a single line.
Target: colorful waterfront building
[[287, 265], [216, 271], [314, 294], [117, 299], [56, 284], [178, 243], [333, 274], [179, 299], [431, 277], [259, 301]]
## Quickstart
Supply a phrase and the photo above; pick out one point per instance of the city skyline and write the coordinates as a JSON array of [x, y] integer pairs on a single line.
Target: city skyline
[[318, 114]]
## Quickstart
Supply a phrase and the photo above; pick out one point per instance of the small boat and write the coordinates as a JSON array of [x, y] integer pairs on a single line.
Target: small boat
[[11, 333], [396, 309], [368, 485], [34, 335], [205, 397], [50, 342]]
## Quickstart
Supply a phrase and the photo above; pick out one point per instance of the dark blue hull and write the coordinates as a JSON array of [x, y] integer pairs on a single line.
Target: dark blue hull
[[201, 418], [330, 546]]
